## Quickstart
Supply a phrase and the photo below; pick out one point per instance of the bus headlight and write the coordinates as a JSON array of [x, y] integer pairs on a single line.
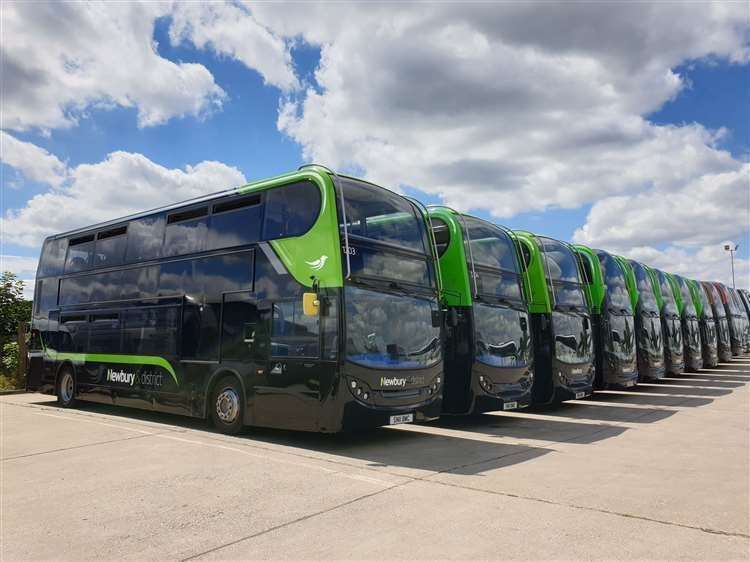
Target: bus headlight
[[360, 390]]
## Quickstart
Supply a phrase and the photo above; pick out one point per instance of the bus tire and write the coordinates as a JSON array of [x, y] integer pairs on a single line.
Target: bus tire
[[66, 388], [226, 405]]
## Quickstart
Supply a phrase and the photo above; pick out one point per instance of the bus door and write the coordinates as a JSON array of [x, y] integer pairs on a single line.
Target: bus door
[[289, 390]]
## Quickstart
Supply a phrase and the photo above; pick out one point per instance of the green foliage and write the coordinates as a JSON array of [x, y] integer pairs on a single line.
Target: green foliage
[[13, 307]]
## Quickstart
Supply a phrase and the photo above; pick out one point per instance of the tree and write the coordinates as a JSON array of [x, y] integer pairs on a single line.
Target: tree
[[13, 307]]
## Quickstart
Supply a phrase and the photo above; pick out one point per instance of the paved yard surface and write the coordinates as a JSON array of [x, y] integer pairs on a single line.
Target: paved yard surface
[[658, 472]]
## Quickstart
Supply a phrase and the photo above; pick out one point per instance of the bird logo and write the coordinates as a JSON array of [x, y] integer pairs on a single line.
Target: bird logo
[[317, 264]]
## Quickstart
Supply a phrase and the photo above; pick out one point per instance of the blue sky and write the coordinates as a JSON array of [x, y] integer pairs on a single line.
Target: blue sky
[[246, 135]]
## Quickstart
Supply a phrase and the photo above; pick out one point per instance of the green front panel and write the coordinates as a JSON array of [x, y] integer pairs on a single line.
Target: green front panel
[[457, 289], [595, 290], [535, 278], [316, 255]]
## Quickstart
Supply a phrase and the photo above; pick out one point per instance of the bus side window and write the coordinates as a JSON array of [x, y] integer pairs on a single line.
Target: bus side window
[[292, 333], [52, 261], [240, 334], [291, 210]]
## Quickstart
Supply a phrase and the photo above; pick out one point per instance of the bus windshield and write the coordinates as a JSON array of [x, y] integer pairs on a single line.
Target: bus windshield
[[687, 298], [670, 305], [561, 268], [494, 256], [647, 298], [614, 279]]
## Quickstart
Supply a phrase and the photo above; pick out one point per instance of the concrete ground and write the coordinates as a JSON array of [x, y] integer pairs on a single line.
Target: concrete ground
[[658, 472]]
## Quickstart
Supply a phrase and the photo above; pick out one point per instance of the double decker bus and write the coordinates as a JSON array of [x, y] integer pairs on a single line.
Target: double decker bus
[[674, 361], [487, 349], [612, 318], [723, 339], [744, 319], [307, 301], [691, 336], [736, 319], [648, 331], [561, 329], [706, 322]]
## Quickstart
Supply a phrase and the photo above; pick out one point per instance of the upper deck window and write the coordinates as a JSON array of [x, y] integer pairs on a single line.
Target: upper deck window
[[561, 268], [687, 297], [645, 288], [110, 247], [291, 210], [614, 279], [489, 245], [670, 305], [707, 310], [52, 260], [377, 214], [80, 253]]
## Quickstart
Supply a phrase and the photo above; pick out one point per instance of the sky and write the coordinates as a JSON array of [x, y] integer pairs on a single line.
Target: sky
[[623, 126]]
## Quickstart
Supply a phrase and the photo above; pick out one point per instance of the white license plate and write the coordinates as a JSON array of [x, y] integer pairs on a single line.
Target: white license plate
[[402, 418], [630, 383], [510, 405], [580, 395]]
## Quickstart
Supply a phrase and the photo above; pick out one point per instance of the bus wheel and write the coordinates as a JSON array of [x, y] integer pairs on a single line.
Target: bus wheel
[[66, 388], [226, 405]]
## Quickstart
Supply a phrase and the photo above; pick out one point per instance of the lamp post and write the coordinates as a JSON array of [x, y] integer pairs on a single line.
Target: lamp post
[[732, 248]]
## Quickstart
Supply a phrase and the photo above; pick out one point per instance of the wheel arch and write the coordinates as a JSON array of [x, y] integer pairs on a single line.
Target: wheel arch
[[213, 379]]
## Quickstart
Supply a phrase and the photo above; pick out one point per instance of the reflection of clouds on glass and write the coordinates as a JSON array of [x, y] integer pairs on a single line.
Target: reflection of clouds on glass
[[392, 266], [573, 343], [646, 294], [625, 348], [390, 331], [490, 246], [505, 285], [560, 264], [500, 341], [614, 279], [185, 238]]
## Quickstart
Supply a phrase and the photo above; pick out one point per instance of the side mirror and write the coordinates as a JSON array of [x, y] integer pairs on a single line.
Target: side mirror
[[310, 304]]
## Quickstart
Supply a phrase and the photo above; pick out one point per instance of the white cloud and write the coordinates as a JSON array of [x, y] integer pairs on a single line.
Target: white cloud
[[121, 184], [230, 30], [526, 107], [35, 163], [60, 59]]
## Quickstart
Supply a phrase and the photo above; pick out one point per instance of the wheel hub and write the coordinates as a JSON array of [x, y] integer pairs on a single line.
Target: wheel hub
[[227, 405]]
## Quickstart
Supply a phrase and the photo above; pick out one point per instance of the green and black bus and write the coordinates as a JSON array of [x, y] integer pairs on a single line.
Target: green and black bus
[[706, 323], [691, 334], [723, 339], [307, 301], [561, 329], [674, 359], [612, 318], [488, 349], [735, 318], [744, 320], [648, 331]]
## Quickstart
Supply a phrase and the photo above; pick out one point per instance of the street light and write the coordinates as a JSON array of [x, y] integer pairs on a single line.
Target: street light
[[731, 250]]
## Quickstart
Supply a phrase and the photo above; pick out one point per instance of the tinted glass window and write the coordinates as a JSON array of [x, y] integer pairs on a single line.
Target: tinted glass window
[[52, 260], [240, 324], [376, 213], [720, 311], [293, 334], [73, 333], [374, 262], [646, 295], [291, 210], [80, 254], [573, 342], [220, 274], [614, 279], [45, 298], [235, 222], [200, 330], [105, 286], [110, 247], [560, 264], [488, 245], [502, 336], [667, 294], [176, 278], [498, 284], [145, 237], [687, 297], [139, 282], [374, 340], [186, 232], [104, 333], [76, 290], [442, 234], [151, 331]]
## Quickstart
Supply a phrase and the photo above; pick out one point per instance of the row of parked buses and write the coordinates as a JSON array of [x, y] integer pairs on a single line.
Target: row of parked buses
[[314, 301]]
